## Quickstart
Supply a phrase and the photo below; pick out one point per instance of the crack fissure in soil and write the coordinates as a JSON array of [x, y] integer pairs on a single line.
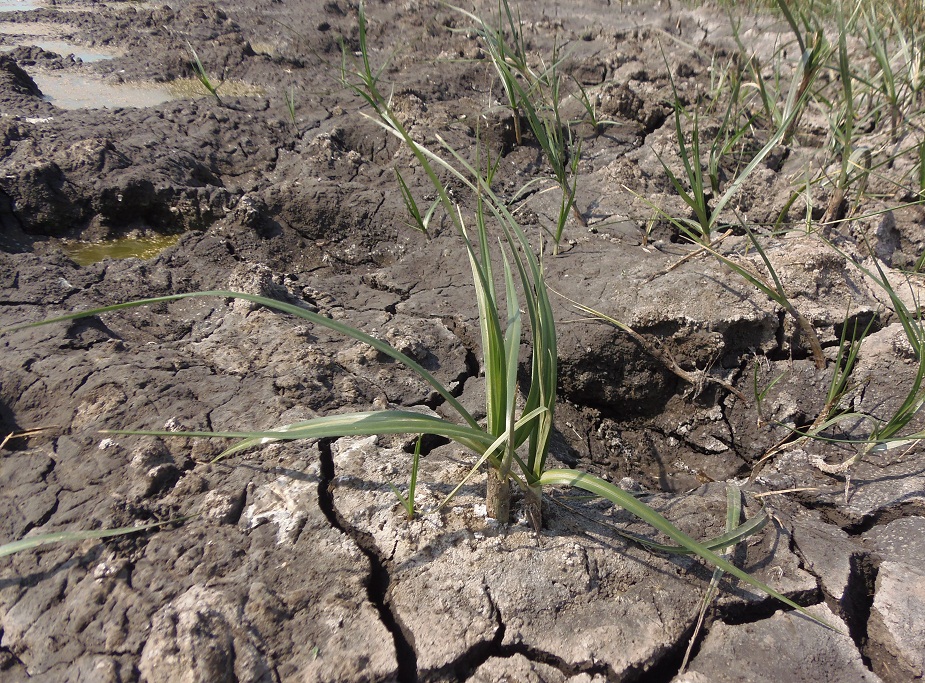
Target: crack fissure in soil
[[751, 613], [378, 584], [832, 515], [467, 665], [666, 666], [11, 658], [464, 666], [858, 600], [43, 520]]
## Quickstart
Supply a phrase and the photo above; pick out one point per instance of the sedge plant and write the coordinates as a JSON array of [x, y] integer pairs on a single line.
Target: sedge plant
[[589, 103], [814, 52], [407, 500], [843, 124], [536, 96], [898, 51], [703, 178], [512, 442], [289, 96], [695, 186]]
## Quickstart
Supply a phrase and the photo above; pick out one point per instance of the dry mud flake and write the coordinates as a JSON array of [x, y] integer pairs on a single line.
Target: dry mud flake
[[463, 590], [297, 611], [888, 479], [897, 623], [270, 592], [828, 553], [786, 647], [519, 668], [896, 629], [202, 636], [690, 310]]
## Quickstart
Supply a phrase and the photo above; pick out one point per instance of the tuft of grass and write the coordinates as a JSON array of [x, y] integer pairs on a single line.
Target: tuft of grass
[[536, 96], [814, 54], [843, 125], [814, 51], [407, 501], [202, 75], [291, 107], [589, 104], [886, 434], [692, 187], [421, 221]]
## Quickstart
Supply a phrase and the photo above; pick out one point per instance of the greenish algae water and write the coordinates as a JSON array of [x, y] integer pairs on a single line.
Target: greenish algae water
[[86, 253]]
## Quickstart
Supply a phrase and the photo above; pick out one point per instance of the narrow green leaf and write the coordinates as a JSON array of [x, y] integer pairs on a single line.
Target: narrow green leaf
[[347, 424], [598, 486], [72, 536]]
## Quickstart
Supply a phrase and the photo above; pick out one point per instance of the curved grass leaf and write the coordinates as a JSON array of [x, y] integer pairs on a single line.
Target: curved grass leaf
[[616, 495], [348, 424], [73, 536]]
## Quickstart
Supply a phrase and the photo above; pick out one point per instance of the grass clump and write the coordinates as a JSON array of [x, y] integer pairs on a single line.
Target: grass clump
[[536, 95], [202, 76]]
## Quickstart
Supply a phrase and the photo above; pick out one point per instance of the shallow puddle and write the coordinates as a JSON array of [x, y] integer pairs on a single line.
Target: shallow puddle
[[86, 253], [18, 5], [48, 37], [74, 91]]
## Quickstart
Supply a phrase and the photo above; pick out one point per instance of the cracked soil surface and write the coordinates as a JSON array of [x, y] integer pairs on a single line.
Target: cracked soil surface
[[295, 561]]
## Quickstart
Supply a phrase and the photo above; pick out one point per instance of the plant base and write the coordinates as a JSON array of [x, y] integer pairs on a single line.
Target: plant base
[[498, 497]]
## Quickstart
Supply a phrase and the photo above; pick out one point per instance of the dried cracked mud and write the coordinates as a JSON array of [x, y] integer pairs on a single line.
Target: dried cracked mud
[[295, 562]]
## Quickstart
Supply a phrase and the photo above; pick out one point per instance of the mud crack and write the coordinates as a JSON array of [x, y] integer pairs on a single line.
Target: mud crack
[[858, 600], [377, 586], [831, 513], [464, 666]]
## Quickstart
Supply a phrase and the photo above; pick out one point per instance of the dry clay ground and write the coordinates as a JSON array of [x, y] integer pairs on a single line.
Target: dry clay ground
[[295, 561]]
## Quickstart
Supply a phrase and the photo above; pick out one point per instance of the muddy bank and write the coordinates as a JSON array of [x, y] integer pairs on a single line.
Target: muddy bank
[[295, 562]]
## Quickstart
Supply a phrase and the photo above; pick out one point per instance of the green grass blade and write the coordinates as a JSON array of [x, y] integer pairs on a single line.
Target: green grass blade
[[73, 536], [597, 486], [511, 353], [347, 424], [411, 206], [752, 526], [493, 364], [788, 15]]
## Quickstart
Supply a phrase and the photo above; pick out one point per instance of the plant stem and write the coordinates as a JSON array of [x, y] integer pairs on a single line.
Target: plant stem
[[498, 496]]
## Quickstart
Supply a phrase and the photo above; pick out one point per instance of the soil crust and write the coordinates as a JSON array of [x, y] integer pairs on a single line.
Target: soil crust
[[295, 562]]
